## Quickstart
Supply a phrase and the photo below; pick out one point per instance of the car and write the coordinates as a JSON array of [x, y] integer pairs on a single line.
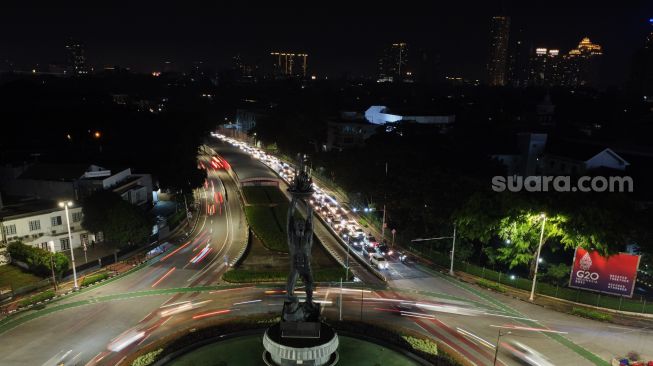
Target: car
[[369, 251], [356, 243], [378, 261], [371, 240], [359, 233], [524, 354], [384, 250]]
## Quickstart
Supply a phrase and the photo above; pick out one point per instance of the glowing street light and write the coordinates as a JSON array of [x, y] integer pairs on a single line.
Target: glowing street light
[[65, 205]]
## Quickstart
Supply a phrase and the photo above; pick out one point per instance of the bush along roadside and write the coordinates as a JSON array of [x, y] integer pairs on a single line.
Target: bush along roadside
[[592, 314], [46, 295], [89, 280], [491, 285]]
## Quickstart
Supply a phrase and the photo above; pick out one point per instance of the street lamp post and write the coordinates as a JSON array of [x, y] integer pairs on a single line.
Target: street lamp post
[[383, 225], [347, 260], [65, 205], [496, 349], [453, 246], [453, 250], [537, 259]]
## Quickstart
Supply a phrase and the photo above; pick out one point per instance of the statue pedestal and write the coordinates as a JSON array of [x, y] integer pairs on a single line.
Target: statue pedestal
[[300, 338], [300, 320], [287, 351]]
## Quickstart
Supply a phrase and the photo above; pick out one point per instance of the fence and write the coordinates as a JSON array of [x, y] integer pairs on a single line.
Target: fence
[[641, 305]]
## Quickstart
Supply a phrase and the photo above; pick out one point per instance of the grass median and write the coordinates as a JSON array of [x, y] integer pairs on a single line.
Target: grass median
[[491, 285], [592, 314], [253, 276], [13, 277]]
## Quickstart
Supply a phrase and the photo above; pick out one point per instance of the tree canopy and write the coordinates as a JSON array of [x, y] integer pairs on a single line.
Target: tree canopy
[[602, 222], [122, 223]]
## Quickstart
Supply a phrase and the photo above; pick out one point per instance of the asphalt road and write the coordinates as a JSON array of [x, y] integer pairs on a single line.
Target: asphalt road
[[103, 324], [84, 333], [247, 167]]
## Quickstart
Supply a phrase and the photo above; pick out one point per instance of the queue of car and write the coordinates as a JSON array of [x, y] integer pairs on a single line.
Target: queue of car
[[334, 214]]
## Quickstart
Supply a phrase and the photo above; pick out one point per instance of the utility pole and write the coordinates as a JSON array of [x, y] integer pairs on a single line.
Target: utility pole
[[453, 249], [340, 316], [537, 259], [496, 349], [384, 201], [453, 245]]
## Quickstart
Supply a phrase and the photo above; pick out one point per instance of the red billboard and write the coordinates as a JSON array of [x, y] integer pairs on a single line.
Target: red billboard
[[613, 275]]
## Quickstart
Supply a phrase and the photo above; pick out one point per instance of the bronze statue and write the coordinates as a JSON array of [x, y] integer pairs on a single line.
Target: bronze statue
[[300, 243]]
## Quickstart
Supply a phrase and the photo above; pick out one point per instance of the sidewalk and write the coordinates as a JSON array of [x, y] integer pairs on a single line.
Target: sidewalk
[[565, 306]]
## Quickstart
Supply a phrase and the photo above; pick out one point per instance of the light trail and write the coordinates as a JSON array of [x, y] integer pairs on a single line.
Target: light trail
[[164, 276], [212, 313], [174, 252]]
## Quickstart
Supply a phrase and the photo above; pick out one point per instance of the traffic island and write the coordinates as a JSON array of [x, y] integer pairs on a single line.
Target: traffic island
[[238, 341]]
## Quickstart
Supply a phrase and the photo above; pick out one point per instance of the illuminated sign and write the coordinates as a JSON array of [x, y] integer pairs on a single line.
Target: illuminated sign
[[615, 275]]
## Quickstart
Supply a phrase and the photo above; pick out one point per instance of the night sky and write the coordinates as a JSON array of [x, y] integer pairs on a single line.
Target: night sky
[[338, 36]]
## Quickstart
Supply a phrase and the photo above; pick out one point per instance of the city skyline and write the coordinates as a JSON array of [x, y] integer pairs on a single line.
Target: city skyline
[[351, 42]]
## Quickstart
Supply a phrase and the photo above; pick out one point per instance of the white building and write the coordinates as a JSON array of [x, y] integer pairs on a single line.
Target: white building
[[39, 222], [584, 160], [77, 181]]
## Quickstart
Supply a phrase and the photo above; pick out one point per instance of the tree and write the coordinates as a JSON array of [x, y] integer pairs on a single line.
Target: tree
[[96, 208], [127, 225], [521, 234], [557, 273], [37, 259], [602, 222], [122, 223]]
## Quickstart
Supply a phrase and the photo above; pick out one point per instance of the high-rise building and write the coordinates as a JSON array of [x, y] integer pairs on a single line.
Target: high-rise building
[[497, 65], [582, 64], [518, 59], [76, 64], [579, 67], [289, 65], [545, 68], [393, 63]]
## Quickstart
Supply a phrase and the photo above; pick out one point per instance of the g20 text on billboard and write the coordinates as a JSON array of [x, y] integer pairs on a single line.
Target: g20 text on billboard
[[613, 275]]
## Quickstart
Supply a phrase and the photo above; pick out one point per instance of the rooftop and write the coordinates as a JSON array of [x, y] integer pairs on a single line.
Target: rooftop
[[16, 207]]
